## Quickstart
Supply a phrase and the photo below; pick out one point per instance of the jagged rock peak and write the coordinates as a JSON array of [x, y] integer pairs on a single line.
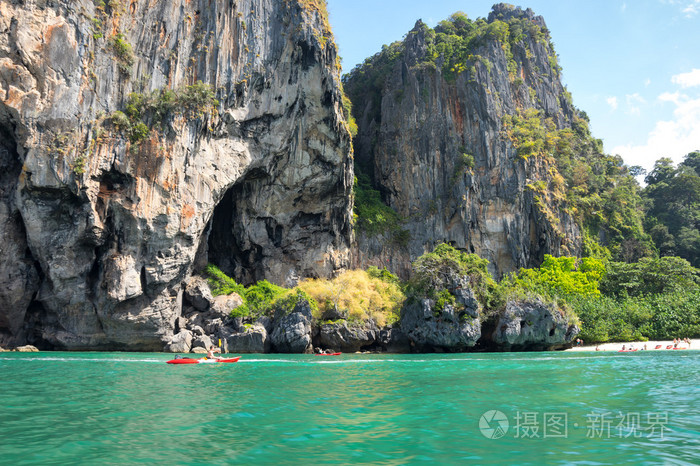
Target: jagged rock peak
[[439, 116], [506, 11]]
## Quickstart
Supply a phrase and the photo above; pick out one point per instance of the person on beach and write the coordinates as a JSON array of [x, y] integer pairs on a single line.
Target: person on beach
[[212, 350]]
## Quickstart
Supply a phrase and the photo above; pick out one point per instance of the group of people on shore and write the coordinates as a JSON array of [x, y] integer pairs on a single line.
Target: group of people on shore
[[676, 342]]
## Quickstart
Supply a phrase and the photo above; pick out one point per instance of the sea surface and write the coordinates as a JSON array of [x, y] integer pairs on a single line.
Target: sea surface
[[506, 408]]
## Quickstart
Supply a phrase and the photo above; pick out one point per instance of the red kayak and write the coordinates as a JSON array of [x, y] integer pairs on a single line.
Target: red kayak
[[202, 361], [328, 354]]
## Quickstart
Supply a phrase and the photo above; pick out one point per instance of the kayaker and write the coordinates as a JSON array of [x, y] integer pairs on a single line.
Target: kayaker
[[212, 350]]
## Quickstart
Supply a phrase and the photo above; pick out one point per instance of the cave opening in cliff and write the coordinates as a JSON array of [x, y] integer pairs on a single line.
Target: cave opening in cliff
[[20, 272], [225, 246]]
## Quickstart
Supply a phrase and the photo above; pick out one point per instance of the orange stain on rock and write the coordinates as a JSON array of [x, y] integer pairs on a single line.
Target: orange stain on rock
[[186, 216]]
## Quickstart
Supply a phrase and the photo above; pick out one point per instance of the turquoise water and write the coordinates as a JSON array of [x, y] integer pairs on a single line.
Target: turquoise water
[[126, 408]]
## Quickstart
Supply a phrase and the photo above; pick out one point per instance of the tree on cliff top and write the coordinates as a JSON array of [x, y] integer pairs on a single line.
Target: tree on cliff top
[[673, 215], [443, 270]]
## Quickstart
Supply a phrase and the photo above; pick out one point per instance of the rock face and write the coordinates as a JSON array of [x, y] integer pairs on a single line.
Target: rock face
[[102, 225], [253, 339], [435, 143], [532, 326], [348, 338], [27, 349], [292, 332], [430, 330], [180, 343]]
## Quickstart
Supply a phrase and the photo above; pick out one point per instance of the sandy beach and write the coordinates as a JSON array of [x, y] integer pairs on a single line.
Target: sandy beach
[[639, 345]]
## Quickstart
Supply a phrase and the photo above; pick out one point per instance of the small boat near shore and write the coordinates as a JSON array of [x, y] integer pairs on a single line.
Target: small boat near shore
[[328, 354], [202, 360]]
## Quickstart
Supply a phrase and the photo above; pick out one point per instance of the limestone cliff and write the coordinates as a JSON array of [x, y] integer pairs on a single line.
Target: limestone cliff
[[141, 139], [454, 127]]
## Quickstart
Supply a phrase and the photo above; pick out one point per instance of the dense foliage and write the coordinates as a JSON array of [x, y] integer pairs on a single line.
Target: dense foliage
[[220, 283], [373, 216], [441, 271], [673, 217], [610, 301], [619, 301], [649, 276], [657, 316], [262, 298], [357, 296], [561, 276]]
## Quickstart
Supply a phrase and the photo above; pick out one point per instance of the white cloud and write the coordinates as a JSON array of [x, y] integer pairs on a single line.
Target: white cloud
[[634, 103], [672, 97], [674, 138], [685, 80], [647, 82], [692, 8], [689, 8], [612, 101]]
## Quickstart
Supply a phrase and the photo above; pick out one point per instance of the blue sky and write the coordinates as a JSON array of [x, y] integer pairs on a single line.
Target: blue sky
[[632, 65]]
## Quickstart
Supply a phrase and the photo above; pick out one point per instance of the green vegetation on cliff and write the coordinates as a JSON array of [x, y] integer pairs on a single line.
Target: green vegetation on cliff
[[437, 274], [673, 215], [599, 190], [578, 180], [373, 216], [143, 112], [357, 296], [610, 301], [262, 298], [619, 301]]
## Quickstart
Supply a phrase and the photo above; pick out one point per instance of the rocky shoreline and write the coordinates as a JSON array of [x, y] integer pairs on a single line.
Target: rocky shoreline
[[424, 327]]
